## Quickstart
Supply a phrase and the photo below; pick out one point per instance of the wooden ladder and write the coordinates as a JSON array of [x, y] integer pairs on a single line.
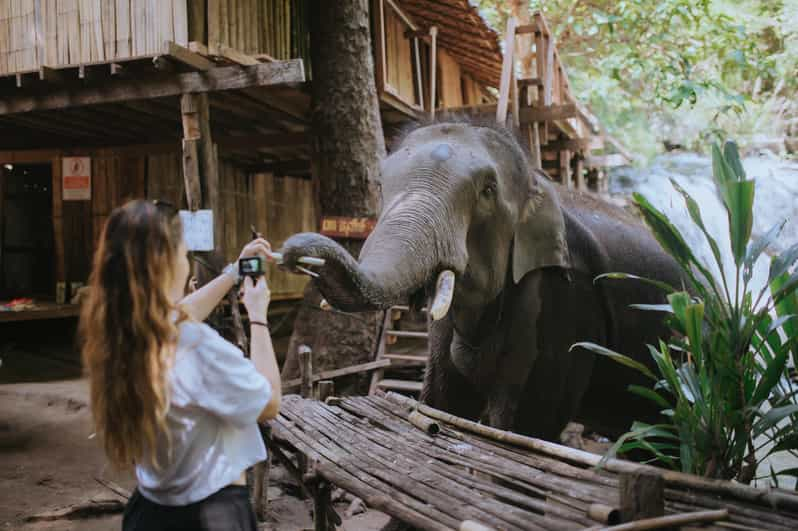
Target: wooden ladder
[[389, 336]]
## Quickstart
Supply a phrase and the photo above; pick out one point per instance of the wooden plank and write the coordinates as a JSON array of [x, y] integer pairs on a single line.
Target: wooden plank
[[507, 71], [544, 114], [433, 95], [215, 79], [335, 373], [185, 56]]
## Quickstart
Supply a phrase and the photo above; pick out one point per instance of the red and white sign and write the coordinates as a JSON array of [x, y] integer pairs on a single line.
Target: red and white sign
[[343, 227], [76, 178]]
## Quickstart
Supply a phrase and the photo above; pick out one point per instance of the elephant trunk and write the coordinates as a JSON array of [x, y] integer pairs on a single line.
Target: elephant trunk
[[399, 259]]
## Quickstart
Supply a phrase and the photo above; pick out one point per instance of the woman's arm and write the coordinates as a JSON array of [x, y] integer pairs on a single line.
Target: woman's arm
[[200, 304], [261, 350]]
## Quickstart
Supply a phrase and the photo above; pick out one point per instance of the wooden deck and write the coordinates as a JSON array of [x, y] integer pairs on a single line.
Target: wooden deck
[[369, 447]]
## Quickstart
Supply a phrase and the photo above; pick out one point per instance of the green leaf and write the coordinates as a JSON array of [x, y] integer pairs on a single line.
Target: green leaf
[[694, 320], [739, 206], [788, 442], [721, 170], [758, 246], [773, 373], [782, 263], [615, 356], [664, 286], [695, 213], [650, 394], [732, 156], [653, 307]]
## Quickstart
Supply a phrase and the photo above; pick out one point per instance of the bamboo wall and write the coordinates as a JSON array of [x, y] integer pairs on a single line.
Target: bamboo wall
[[277, 206], [36, 33], [278, 28], [450, 76]]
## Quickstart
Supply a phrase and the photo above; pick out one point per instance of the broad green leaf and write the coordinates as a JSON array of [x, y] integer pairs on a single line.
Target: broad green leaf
[[732, 156], [721, 170], [773, 373], [740, 202], [694, 320], [788, 442], [615, 356]]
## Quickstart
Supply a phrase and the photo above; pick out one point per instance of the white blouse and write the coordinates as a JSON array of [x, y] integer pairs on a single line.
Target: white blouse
[[216, 398]]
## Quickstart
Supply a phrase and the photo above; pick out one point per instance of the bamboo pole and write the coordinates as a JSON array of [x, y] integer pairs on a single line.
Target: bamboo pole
[[671, 521]]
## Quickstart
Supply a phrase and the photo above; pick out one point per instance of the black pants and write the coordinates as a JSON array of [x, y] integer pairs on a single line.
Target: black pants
[[228, 510]]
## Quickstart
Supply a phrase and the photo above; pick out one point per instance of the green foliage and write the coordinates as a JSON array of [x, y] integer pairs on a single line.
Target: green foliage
[[669, 69], [721, 379]]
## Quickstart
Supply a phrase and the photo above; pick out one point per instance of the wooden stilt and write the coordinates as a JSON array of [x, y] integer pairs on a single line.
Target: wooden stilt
[[642, 495]]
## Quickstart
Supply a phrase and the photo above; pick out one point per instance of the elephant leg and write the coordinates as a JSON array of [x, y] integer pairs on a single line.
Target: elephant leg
[[445, 387]]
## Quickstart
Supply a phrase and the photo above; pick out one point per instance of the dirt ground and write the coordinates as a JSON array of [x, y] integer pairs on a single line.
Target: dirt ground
[[48, 457]]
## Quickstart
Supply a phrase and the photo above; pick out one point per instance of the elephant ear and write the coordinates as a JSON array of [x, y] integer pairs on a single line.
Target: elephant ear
[[540, 235]]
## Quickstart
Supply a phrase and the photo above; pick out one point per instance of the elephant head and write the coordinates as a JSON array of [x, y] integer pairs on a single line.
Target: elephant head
[[457, 198]]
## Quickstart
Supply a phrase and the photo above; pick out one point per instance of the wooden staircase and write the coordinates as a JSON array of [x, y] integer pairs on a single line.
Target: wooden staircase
[[392, 336]]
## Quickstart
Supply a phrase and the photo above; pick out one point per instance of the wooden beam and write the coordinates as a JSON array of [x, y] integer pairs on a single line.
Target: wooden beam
[[185, 56], [526, 28], [530, 82], [335, 373], [572, 144], [115, 90], [263, 140], [546, 114]]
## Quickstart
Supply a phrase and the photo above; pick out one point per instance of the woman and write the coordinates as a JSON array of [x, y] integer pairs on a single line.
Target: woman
[[168, 394]]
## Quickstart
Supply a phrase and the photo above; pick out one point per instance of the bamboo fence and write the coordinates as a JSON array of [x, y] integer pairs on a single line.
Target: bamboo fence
[[382, 450]]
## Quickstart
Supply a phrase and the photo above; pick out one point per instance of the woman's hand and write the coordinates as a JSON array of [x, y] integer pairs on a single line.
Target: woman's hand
[[257, 247], [256, 298]]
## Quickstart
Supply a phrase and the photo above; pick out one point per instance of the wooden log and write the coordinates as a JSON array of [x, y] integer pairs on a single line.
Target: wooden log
[[604, 514], [674, 521], [185, 56], [470, 525], [425, 424]]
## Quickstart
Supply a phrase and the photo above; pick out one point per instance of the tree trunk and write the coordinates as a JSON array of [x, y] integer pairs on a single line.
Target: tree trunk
[[349, 145]]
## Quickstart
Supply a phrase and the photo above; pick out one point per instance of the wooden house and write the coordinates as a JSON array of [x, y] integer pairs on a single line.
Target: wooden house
[[197, 102]]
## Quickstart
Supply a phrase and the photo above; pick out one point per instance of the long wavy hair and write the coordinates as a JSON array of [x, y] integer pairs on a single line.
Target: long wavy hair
[[129, 331]]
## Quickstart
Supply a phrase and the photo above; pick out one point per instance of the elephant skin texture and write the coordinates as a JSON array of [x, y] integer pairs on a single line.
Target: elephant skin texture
[[525, 253]]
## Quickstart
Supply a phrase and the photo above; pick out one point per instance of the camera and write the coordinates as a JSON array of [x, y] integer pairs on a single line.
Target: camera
[[251, 267]]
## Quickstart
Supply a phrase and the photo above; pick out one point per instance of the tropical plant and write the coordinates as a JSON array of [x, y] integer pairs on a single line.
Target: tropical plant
[[722, 379]]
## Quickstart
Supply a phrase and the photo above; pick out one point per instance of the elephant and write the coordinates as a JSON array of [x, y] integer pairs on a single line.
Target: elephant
[[462, 204]]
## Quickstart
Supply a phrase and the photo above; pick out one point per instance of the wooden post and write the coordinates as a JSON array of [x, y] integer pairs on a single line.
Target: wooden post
[[321, 505], [565, 168], [306, 371], [507, 71], [326, 388], [534, 145], [433, 31], [580, 172], [642, 495], [306, 391]]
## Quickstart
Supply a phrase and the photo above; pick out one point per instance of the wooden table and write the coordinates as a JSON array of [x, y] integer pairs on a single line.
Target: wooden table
[[470, 476]]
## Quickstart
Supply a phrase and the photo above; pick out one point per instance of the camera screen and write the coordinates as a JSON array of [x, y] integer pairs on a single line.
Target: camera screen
[[250, 265]]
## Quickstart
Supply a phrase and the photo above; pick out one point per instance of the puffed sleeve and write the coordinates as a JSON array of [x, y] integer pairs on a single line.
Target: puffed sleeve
[[230, 386]]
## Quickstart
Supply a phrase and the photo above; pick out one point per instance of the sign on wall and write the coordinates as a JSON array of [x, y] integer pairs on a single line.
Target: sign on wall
[[76, 178], [342, 227], [197, 229]]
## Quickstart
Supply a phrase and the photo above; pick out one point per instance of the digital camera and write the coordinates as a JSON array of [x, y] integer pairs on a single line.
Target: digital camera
[[251, 267]]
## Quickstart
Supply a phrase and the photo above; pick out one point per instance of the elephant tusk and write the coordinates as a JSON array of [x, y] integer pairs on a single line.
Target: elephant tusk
[[444, 291], [324, 305]]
